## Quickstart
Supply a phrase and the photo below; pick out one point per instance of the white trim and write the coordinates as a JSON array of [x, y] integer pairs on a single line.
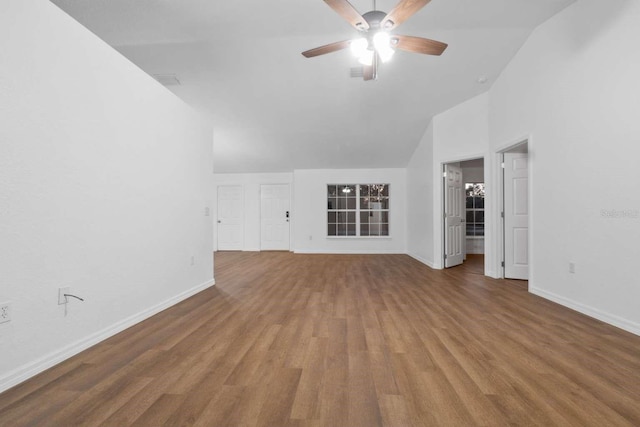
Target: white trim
[[514, 143], [349, 252], [422, 260], [464, 158], [498, 241], [611, 319], [359, 237], [439, 192], [33, 368]]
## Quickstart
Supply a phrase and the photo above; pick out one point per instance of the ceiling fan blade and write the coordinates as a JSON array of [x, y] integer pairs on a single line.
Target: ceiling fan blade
[[402, 12], [418, 45], [349, 13], [332, 47]]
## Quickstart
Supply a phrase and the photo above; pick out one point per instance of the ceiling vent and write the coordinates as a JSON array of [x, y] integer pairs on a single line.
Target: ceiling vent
[[167, 79]]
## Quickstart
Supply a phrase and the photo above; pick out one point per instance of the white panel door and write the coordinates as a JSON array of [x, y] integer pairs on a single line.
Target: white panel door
[[516, 216], [274, 217], [454, 225], [230, 218]]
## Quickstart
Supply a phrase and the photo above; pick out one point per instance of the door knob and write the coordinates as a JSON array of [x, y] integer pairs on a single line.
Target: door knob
[[219, 221]]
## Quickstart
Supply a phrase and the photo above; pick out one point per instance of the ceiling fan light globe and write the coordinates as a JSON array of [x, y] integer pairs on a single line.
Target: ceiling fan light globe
[[359, 47], [366, 58], [386, 54], [381, 40]]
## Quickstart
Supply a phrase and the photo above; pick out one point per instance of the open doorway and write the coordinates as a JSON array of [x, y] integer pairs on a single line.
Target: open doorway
[[515, 211], [464, 216]]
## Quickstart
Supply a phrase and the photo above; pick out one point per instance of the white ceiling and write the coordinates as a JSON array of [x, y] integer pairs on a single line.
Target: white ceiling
[[273, 110]]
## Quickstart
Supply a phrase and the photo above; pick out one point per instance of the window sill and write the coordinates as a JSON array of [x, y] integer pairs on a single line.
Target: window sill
[[359, 237]]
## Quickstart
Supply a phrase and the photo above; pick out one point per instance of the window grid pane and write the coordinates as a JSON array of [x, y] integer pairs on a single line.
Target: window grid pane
[[358, 210], [474, 208]]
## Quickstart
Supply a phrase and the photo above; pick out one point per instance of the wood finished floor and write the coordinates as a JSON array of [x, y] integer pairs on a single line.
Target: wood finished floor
[[345, 340]]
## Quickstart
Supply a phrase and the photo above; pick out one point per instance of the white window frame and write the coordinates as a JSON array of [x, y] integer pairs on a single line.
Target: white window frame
[[474, 209], [358, 210]]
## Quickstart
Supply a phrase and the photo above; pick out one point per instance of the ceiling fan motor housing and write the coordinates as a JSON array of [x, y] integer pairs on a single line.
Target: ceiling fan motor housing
[[374, 18]]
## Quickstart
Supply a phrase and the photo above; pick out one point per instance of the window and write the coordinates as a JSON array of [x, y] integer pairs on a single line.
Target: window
[[475, 208], [359, 210]]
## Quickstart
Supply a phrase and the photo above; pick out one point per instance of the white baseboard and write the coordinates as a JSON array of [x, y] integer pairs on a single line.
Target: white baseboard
[[33, 368], [611, 319], [348, 252], [421, 259]]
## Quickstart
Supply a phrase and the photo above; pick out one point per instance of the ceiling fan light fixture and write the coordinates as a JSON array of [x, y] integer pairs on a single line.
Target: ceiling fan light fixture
[[386, 54], [382, 44], [366, 58], [375, 43], [381, 39], [359, 47]]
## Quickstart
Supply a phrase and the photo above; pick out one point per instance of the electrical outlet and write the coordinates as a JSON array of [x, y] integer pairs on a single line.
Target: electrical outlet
[[193, 260], [61, 298], [5, 312], [572, 267]]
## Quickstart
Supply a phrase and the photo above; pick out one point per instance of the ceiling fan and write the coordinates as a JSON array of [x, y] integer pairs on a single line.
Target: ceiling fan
[[376, 43]]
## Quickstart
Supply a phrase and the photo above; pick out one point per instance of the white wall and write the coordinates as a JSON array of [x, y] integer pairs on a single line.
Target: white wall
[[251, 189], [310, 211], [104, 180], [420, 203], [574, 88], [472, 174], [461, 133]]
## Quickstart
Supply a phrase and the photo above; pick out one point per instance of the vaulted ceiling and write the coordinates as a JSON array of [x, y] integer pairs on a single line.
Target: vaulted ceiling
[[240, 63]]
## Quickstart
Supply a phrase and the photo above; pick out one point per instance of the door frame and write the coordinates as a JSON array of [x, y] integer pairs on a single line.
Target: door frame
[[499, 203], [440, 219]]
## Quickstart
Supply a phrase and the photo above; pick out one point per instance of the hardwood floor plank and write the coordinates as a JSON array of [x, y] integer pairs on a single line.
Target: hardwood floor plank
[[276, 408], [158, 413], [36, 387], [94, 407], [394, 412], [32, 412], [363, 401], [220, 409], [306, 405], [346, 340]]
